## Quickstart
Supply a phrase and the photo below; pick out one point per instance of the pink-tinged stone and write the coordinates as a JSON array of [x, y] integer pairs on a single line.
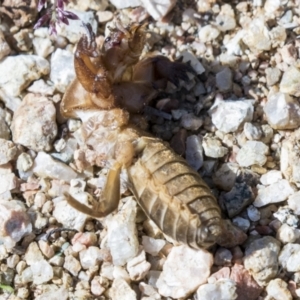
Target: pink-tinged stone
[[29, 186], [85, 238], [246, 286], [14, 222], [222, 273], [292, 287]]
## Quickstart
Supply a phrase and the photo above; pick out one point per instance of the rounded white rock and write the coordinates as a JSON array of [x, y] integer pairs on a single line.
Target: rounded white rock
[[278, 290], [184, 270], [223, 289], [252, 153]]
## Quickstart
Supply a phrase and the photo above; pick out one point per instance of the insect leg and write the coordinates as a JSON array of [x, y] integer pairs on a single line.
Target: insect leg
[[110, 200]]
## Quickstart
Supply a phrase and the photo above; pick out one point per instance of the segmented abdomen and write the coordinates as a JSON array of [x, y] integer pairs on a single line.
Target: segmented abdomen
[[174, 196]]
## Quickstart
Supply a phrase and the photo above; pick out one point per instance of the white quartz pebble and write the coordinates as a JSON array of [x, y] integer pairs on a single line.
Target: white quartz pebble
[[8, 151], [47, 167], [277, 289], [62, 69], [121, 290], [121, 234], [73, 32], [252, 153], [294, 202], [270, 177], [151, 245], [34, 123], [23, 69], [41, 272], [276, 192], [282, 111], [261, 259], [223, 289], [228, 116], [184, 270]]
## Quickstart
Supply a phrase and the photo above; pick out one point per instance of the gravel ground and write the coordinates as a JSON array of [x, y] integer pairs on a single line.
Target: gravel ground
[[235, 121]]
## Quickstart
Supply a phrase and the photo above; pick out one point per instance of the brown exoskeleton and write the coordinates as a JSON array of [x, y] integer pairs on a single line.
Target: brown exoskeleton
[[168, 190], [117, 77]]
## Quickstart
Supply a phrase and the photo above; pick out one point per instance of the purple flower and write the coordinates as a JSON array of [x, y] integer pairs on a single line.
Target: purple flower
[[41, 4], [55, 15], [41, 21]]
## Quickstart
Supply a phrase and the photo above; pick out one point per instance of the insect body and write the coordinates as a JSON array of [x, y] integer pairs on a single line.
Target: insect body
[[174, 196], [168, 190]]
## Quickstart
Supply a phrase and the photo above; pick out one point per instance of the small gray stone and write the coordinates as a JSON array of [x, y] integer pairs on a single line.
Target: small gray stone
[[194, 152], [226, 175], [224, 80], [188, 56], [242, 223], [191, 122], [253, 213], [237, 199], [222, 257]]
